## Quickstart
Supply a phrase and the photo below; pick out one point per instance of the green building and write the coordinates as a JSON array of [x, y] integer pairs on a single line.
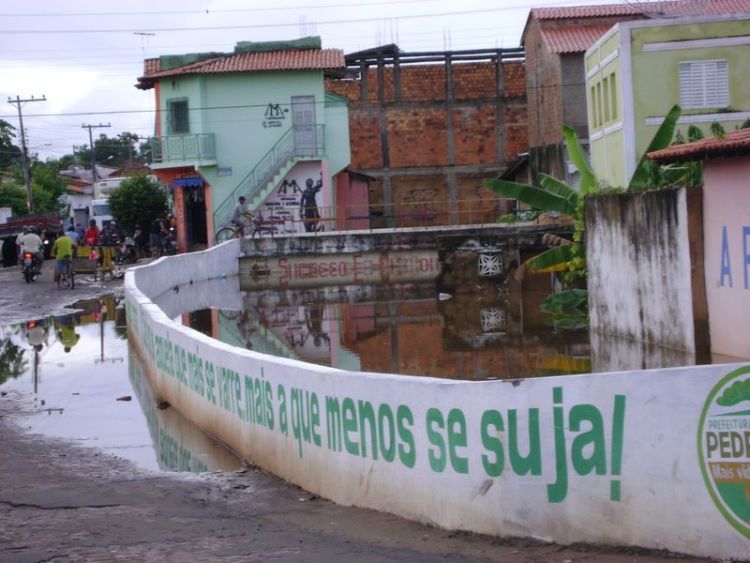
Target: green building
[[255, 122], [639, 69]]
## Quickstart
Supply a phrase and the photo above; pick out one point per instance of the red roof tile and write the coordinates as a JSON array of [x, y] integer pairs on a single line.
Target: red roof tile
[[736, 142], [298, 59], [667, 8], [572, 39]]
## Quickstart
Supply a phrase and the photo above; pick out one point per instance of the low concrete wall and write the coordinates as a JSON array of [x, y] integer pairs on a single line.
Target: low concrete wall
[[632, 458], [643, 281]]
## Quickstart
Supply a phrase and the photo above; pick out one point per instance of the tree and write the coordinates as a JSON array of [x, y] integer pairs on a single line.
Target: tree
[[138, 200], [13, 196], [113, 151], [12, 361], [10, 155]]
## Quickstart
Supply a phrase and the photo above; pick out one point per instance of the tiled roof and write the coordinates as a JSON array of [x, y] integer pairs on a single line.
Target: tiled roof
[[736, 142], [666, 8], [298, 59], [572, 39]]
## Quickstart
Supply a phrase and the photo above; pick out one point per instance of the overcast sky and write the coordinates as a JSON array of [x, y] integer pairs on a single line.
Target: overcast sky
[[85, 56]]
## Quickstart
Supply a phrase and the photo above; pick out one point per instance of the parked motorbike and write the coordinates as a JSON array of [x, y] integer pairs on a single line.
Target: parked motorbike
[[169, 243], [126, 252], [30, 267]]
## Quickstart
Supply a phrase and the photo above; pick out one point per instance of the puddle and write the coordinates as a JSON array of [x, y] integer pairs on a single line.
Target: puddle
[[86, 386]]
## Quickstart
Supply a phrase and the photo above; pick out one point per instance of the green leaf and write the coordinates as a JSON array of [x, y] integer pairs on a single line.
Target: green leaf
[[661, 140], [568, 301], [535, 197], [557, 187], [578, 157], [551, 259]]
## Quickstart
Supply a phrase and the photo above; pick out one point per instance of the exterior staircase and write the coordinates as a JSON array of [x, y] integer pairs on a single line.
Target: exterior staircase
[[299, 142]]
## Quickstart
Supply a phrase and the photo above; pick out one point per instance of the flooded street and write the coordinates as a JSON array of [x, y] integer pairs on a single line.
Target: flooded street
[[85, 385], [72, 376]]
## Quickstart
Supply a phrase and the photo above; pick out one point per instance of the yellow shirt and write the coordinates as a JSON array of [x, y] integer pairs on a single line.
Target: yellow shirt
[[63, 248]]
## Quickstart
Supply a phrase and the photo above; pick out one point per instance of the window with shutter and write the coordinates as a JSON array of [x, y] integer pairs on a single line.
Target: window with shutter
[[704, 84]]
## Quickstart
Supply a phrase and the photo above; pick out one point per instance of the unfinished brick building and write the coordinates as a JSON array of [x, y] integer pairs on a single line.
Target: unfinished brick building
[[429, 127]]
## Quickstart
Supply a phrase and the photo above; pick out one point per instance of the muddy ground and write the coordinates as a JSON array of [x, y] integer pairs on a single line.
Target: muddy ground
[[62, 502]]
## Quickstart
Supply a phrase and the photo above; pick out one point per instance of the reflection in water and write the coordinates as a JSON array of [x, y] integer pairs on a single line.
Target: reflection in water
[[401, 329], [76, 370], [179, 445]]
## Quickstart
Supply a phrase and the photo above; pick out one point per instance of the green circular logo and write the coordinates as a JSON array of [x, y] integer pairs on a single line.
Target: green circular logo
[[724, 447]]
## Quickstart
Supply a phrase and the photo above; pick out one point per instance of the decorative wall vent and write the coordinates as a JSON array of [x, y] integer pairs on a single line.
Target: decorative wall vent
[[490, 265]]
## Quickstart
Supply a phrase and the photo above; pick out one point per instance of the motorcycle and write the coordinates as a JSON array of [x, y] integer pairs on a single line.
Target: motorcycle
[[30, 267], [169, 243], [126, 252]]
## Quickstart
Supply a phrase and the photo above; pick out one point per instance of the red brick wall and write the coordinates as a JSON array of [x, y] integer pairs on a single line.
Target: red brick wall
[[417, 135]]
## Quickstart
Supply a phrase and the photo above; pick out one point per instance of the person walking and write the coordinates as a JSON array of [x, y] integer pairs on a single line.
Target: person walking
[[91, 236], [154, 237], [73, 235]]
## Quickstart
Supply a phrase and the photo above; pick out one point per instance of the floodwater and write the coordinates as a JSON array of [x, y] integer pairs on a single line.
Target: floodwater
[[82, 382]]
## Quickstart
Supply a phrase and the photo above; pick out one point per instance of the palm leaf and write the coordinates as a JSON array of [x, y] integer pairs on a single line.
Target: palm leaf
[[578, 157], [553, 260], [661, 140], [533, 196], [557, 187]]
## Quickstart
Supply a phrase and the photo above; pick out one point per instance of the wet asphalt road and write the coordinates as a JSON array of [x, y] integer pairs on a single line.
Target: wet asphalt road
[[62, 502]]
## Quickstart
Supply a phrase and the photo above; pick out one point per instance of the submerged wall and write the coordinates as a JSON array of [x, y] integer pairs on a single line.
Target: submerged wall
[[645, 274], [634, 458]]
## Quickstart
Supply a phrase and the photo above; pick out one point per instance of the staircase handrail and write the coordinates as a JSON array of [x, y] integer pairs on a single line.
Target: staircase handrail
[[276, 157]]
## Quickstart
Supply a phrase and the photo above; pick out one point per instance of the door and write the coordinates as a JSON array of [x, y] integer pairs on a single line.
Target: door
[[303, 122]]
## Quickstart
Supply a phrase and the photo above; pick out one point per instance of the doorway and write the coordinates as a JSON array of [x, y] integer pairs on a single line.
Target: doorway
[[303, 122], [196, 226]]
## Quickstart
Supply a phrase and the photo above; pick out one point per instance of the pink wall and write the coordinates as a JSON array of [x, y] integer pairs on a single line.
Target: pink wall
[[726, 217], [352, 201]]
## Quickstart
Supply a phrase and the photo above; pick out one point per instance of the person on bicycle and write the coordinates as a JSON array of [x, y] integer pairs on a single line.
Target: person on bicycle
[[62, 251], [238, 215]]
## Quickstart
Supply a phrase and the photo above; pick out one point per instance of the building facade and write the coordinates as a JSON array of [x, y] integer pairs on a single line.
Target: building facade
[[725, 236], [428, 128], [555, 41], [638, 70], [257, 123]]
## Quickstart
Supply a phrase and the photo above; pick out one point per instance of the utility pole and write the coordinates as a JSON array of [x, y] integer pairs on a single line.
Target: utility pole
[[91, 144], [24, 154]]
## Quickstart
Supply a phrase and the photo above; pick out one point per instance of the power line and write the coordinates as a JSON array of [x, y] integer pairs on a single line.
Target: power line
[[217, 11], [254, 26]]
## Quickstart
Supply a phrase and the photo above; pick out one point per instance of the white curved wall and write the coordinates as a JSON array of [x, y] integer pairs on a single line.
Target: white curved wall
[[597, 458]]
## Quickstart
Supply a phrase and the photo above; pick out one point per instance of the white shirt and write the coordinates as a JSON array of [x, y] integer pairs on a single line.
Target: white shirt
[[31, 243]]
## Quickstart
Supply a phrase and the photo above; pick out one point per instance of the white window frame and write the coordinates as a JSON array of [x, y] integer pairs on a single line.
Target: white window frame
[[704, 84]]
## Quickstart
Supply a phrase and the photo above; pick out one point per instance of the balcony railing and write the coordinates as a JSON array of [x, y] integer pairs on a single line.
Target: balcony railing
[[183, 148]]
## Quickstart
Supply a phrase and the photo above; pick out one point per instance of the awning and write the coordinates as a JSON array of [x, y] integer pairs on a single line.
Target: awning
[[188, 183]]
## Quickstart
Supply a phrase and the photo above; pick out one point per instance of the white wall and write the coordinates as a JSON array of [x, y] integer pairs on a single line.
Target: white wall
[[616, 458], [639, 271]]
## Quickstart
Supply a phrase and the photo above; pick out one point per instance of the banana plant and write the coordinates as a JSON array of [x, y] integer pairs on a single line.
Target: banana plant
[[555, 195]]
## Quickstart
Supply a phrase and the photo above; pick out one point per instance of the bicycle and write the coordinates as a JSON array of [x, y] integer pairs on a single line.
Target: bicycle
[[233, 230], [67, 276]]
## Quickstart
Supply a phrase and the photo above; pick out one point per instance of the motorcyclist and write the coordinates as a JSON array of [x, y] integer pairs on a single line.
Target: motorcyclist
[[19, 244], [33, 243]]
